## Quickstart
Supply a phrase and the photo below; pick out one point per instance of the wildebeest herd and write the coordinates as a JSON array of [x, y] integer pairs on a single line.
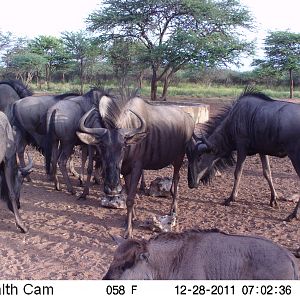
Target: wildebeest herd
[[126, 135]]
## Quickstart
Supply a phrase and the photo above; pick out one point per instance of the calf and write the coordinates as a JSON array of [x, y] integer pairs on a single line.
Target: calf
[[202, 255]]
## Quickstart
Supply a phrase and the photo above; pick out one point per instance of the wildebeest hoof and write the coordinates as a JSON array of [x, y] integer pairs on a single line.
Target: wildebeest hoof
[[22, 228], [72, 192], [128, 235], [274, 204], [290, 217], [82, 196], [28, 179], [227, 201]]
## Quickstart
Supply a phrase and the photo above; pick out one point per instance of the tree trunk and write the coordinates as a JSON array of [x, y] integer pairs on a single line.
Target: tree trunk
[[154, 84], [166, 86], [37, 79], [48, 76], [291, 84], [140, 79], [81, 76]]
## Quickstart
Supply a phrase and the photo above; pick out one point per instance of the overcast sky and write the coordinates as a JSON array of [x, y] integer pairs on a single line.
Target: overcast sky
[[30, 18]]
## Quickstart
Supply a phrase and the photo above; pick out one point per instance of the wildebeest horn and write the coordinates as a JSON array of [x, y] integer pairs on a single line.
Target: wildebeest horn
[[98, 131], [26, 170], [117, 239], [201, 147], [196, 137], [132, 132], [205, 140]]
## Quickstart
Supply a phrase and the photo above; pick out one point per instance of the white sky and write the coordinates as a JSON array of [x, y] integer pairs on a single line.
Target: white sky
[[31, 18]]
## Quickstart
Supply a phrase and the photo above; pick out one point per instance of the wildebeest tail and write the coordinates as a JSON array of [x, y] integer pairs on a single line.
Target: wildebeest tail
[[49, 140]]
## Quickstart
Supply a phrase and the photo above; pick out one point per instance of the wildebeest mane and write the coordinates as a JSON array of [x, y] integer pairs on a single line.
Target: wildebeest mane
[[19, 87], [111, 111], [209, 127], [65, 95], [251, 91]]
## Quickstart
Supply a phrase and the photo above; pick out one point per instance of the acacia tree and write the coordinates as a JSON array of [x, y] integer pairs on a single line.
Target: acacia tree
[[25, 65], [126, 60], [51, 48], [82, 49], [5, 39], [282, 54], [175, 32]]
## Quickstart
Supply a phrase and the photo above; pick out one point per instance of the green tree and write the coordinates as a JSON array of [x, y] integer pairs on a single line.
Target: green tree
[[25, 65], [175, 32], [51, 48], [282, 54], [5, 39], [125, 58], [82, 49]]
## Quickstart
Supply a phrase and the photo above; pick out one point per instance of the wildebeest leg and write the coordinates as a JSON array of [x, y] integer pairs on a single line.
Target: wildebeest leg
[[131, 183], [176, 165], [12, 198], [72, 167], [267, 174], [85, 152], [295, 159], [127, 180], [21, 145], [55, 154], [143, 183], [89, 173], [98, 172], [67, 149], [294, 214], [241, 156]]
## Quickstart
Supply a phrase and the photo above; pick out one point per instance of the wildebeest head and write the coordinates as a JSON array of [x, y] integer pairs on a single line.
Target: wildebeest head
[[112, 144], [201, 159], [130, 261]]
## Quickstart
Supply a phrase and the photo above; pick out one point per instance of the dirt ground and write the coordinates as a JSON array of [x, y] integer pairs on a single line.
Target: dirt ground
[[68, 238]]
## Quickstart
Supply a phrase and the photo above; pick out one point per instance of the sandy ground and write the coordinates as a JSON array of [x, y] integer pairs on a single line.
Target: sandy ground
[[69, 239]]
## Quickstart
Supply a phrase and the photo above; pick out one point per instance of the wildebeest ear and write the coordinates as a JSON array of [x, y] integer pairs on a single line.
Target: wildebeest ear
[[117, 239], [87, 138], [135, 139]]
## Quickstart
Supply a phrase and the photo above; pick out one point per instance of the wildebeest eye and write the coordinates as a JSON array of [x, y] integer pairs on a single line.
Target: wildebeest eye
[[127, 265]]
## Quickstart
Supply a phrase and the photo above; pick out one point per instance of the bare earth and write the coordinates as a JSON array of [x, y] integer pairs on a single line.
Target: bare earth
[[69, 239]]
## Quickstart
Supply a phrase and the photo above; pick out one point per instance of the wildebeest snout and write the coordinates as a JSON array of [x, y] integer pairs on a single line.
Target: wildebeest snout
[[112, 189]]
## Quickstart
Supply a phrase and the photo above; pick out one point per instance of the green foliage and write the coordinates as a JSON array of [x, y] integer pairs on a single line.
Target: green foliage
[[282, 51], [5, 39], [81, 48], [25, 64], [125, 56], [176, 32]]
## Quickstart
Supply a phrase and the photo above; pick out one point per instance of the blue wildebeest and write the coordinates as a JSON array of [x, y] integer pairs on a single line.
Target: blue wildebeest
[[11, 91], [28, 116], [62, 124], [145, 137], [11, 177], [202, 255], [254, 124]]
